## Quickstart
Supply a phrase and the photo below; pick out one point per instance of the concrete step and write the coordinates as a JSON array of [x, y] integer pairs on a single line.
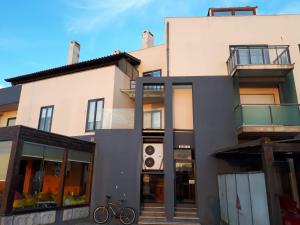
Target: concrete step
[[151, 219], [186, 205], [153, 213], [182, 209], [185, 214], [153, 209], [152, 204], [168, 223], [187, 220]]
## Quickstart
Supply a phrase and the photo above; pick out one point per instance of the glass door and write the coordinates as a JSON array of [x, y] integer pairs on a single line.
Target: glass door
[[152, 188], [185, 181]]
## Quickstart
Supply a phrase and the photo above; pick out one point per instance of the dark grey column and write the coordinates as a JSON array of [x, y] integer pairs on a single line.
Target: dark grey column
[[169, 153]]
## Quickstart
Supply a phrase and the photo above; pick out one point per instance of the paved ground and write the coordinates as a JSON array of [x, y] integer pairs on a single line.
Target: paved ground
[[88, 222]]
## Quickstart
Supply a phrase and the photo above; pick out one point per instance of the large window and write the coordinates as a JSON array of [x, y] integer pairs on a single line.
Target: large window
[[11, 121], [5, 150], [76, 178], [46, 118], [50, 177], [39, 177], [94, 114], [154, 73]]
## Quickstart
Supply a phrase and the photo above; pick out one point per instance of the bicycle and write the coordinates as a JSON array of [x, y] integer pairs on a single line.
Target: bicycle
[[114, 209]]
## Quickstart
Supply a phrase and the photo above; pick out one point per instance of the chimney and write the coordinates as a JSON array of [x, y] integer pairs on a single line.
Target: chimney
[[147, 39], [117, 51], [74, 51]]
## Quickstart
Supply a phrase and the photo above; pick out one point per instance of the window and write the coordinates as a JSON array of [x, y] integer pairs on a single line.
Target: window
[[94, 114], [244, 13], [38, 179], [154, 73], [11, 121], [152, 120], [5, 150], [223, 13], [251, 54], [76, 178], [46, 118]]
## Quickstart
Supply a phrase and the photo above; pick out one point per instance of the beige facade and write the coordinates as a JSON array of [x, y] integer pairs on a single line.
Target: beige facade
[[199, 46], [69, 95], [153, 58], [4, 116]]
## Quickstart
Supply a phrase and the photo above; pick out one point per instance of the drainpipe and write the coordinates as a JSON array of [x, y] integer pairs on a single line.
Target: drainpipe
[[168, 49]]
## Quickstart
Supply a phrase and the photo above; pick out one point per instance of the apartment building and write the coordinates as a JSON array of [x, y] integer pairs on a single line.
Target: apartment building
[[201, 129]]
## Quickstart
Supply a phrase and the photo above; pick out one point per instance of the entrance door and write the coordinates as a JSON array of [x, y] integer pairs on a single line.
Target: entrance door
[[152, 188], [185, 182]]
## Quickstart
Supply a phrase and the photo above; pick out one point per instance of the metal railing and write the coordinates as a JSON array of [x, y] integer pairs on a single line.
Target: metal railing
[[256, 55], [262, 115]]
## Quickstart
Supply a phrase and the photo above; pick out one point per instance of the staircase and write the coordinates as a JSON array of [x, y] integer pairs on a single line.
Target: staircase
[[187, 214], [153, 213]]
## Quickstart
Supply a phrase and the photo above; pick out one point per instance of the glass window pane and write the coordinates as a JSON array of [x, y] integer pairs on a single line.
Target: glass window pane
[[256, 55], [155, 120], [39, 176], [48, 119], [244, 56], [5, 150], [98, 122], [43, 119], [91, 115], [11, 122], [75, 185], [224, 13], [244, 13]]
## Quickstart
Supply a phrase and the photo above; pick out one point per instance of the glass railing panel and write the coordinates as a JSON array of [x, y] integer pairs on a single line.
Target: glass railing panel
[[238, 116], [286, 115], [256, 115], [260, 115], [120, 118]]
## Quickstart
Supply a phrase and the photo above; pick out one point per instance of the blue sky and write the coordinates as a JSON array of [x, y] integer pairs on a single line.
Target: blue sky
[[34, 34]]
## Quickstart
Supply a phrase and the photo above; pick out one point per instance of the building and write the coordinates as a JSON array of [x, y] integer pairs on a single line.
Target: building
[[220, 96]]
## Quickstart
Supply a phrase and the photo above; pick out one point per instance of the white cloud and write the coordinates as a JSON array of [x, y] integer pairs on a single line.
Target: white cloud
[[290, 8], [91, 14]]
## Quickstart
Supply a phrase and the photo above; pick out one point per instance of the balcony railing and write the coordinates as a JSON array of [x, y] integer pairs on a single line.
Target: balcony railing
[[118, 118], [267, 115], [258, 55]]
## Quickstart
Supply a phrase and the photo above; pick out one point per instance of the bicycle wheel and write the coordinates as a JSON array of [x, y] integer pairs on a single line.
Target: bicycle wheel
[[127, 215], [101, 215]]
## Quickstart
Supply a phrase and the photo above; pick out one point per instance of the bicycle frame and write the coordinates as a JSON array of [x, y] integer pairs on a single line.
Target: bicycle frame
[[114, 208]]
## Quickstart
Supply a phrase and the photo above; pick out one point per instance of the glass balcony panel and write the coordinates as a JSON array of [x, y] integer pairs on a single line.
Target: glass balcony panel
[[119, 118], [260, 115], [287, 115], [256, 115]]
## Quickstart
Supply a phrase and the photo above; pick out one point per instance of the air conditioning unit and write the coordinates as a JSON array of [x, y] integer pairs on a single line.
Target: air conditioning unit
[[153, 156]]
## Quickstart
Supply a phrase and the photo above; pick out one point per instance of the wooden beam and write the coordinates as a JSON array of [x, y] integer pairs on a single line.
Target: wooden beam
[[271, 184]]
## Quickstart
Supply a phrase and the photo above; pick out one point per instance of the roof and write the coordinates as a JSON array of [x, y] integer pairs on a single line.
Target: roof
[[67, 69], [251, 8]]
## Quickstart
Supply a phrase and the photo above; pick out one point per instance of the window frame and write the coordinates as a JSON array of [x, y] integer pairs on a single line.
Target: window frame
[[41, 111], [95, 114], [152, 71], [9, 119], [151, 116]]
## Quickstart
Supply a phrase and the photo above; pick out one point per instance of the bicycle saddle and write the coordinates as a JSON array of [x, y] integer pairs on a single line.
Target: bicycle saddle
[[122, 200], [108, 196]]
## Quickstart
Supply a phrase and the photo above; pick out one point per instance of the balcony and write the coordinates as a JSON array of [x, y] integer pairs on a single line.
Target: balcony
[[259, 61], [283, 119], [150, 91]]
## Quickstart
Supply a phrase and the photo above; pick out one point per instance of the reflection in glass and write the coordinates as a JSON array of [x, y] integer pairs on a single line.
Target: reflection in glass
[[75, 185], [5, 150], [38, 177]]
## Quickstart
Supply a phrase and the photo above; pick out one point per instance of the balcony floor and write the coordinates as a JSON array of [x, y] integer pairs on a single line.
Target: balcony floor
[[262, 70], [257, 131]]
